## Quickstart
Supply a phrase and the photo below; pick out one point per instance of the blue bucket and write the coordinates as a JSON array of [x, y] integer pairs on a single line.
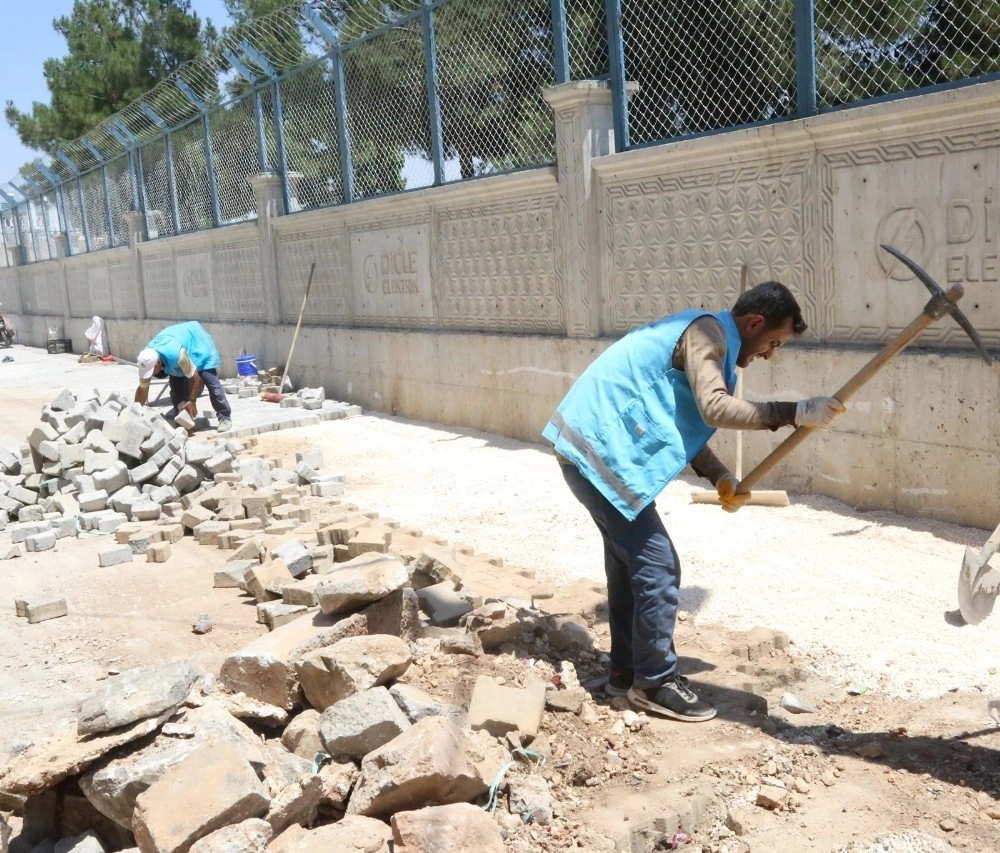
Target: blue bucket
[[246, 365]]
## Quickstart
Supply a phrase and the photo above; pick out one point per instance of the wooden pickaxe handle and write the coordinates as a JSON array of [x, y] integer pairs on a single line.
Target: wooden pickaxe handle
[[937, 307]]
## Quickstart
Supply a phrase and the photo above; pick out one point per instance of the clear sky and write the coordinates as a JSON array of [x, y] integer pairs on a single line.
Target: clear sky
[[28, 40]]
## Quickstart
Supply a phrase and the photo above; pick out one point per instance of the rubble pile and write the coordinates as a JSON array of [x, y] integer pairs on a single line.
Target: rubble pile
[[389, 701]]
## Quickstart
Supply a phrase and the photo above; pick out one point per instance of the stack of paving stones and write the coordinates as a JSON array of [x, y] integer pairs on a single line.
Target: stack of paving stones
[[95, 462], [353, 756]]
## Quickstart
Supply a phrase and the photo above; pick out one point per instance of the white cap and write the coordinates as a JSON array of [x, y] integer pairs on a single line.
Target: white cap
[[147, 362]]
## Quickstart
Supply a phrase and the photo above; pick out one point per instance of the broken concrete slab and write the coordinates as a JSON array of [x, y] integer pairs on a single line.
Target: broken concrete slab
[[360, 723], [499, 709], [135, 695], [350, 666], [457, 828], [432, 762], [213, 787], [349, 588]]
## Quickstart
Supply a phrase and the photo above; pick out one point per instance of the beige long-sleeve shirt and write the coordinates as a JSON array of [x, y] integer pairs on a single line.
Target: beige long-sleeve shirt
[[701, 353]]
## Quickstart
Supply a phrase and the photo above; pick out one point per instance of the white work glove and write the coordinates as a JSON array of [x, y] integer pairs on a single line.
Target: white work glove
[[726, 487], [818, 412]]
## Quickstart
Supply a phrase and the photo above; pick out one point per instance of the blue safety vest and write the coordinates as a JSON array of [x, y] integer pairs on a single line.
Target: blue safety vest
[[194, 339], [630, 423]]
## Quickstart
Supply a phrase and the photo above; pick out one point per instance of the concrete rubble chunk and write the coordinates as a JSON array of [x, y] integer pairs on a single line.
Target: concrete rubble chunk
[[301, 735], [297, 803], [417, 704], [265, 669], [436, 564], [432, 762], [87, 842], [457, 828], [212, 788], [250, 836], [360, 723], [65, 754], [351, 588], [350, 666], [499, 709], [351, 834], [113, 784], [531, 799], [135, 695]]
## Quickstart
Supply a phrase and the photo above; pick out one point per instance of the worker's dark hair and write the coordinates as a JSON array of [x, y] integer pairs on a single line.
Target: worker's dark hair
[[774, 302]]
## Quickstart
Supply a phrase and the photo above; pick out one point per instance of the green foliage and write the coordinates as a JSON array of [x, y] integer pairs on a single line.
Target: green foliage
[[117, 51]]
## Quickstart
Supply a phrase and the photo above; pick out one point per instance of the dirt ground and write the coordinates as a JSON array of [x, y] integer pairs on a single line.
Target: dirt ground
[[901, 745]]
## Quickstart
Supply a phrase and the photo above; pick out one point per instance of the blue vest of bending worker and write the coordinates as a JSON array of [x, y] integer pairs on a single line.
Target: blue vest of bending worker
[[194, 339], [630, 423]]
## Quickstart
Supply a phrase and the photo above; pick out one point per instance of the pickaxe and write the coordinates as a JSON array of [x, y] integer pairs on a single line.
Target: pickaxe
[[941, 302]]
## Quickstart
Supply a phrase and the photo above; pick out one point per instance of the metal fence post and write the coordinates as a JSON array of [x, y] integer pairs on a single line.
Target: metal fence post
[[175, 211], [616, 61], [84, 219], [213, 186], [560, 41], [343, 134], [140, 180], [109, 215], [279, 129], [433, 102], [258, 112], [45, 225], [22, 254], [805, 58]]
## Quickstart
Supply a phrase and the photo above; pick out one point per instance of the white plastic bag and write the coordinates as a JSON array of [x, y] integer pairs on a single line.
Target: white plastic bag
[[98, 337]]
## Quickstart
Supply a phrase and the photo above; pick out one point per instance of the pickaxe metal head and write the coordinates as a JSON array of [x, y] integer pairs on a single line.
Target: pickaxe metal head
[[936, 290]]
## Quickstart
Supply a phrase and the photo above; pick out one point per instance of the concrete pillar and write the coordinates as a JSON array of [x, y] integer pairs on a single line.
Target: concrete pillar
[[61, 240], [270, 201], [584, 130], [136, 222]]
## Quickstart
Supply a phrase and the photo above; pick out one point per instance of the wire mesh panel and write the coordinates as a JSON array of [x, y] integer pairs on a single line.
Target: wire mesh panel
[[156, 189], [587, 35], [387, 112], [120, 192], [309, 111], [234, 146], [866, 48], [703, 65], [76, 242], [97, 214], [494, 60], [194, 195]]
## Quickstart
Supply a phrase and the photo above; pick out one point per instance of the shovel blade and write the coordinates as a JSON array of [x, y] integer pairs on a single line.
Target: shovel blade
[[977, 588]]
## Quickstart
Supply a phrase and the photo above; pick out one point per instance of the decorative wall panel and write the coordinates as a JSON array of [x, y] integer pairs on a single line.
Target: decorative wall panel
[[328, 296], [496, 267], [677, 241], [239, 289]]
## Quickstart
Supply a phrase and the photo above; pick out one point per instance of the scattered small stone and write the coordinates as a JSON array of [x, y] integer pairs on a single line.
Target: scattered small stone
[[202, 625]]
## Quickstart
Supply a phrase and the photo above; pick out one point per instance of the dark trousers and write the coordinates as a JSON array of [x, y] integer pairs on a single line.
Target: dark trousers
[[179, 392], [644, 577]]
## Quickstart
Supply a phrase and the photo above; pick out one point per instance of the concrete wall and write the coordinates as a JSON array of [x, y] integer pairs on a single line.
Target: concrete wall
[[478, 303]]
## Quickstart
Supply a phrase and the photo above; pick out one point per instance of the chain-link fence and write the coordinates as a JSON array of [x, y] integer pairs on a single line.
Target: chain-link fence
[[350, 100]]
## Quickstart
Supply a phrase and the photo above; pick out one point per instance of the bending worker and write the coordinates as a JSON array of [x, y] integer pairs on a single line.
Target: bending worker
[[644, 409], [187, 355]]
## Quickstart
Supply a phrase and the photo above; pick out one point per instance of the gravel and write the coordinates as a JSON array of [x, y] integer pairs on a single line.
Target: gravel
[[868, 598]]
